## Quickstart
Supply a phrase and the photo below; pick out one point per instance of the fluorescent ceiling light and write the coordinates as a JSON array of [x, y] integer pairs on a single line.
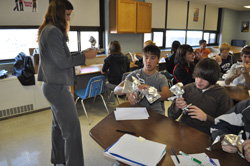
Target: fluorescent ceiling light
[[246, 6]]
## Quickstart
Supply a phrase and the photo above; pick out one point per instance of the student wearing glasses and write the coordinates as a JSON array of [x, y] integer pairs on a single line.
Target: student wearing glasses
[[56, 72]]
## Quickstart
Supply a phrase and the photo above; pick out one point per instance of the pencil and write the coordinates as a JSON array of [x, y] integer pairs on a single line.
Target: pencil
[[175, 155]]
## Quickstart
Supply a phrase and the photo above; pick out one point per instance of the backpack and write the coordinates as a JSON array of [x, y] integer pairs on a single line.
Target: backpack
[[24, 70]]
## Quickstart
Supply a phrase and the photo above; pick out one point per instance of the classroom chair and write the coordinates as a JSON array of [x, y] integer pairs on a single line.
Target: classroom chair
[[94, 88]]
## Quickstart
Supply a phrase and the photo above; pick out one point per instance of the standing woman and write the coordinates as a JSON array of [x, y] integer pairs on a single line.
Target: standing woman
[[56, 72], [184, 68]]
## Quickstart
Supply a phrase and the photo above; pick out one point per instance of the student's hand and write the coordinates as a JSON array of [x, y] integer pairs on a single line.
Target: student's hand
[[229, 148], [132, 98], [90, 53], [143, 86], [218, 59], [180, 103], [246, 146], [197, 113], [246, 68]]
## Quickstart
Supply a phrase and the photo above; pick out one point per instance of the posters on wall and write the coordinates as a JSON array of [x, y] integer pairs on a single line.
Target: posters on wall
[[196, 14], [25, 5], [245, 26]]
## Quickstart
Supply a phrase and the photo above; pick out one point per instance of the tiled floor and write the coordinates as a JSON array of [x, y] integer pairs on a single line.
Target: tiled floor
[[25, 140]]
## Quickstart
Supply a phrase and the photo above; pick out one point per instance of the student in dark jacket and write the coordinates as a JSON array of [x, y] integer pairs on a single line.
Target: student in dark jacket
[[184, 68], [209, 100], [227, 59], [114, 66], [170, 59]]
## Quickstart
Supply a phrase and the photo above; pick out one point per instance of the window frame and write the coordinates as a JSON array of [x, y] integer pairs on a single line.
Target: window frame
[[72, 28]]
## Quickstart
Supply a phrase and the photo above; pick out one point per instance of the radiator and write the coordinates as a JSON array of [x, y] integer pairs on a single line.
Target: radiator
[[16, 111]]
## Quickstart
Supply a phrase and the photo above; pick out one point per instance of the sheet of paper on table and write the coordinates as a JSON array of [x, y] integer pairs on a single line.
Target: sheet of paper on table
[[136, 151], [200, 156], [131, 113]]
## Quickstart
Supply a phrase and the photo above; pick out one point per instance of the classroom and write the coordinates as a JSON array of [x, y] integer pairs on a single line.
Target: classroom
[[25, 114]]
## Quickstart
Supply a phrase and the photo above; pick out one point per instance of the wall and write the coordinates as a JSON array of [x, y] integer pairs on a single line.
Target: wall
[[242, 16], [83, 13], [229, 23]]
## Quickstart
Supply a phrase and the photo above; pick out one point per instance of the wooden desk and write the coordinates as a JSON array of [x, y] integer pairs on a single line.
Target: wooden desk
[[164, 130], [238, 93], [97, 68]]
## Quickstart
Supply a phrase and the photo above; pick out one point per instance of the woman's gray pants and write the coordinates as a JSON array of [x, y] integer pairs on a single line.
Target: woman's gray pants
[[66, 131]]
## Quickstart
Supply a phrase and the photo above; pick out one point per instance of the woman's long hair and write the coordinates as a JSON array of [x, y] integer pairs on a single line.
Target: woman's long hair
[[55, 15], [180, 56]]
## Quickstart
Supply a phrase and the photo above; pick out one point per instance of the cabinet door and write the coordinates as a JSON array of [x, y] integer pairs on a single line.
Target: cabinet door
[[144, 17], [126, 16]]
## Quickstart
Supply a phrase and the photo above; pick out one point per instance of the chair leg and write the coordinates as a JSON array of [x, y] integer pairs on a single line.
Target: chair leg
[[84, 109], [77, 100], [118, 101], [92, 103], [104, 103]]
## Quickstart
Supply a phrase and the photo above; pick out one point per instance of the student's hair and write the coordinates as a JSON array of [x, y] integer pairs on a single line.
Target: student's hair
[[175, 45], [153, 49], [245, 50], [224, 46], [55, 15], [207, 69], [180, 55], [202, 41], [149, 42], [114, 47]]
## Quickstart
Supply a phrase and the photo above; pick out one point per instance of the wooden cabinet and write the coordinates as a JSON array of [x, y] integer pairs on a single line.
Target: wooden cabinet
[[144, 17], [126, 16]]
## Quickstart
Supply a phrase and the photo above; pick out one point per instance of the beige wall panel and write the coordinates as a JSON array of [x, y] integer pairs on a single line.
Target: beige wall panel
[[85, 13], [195, 22], [158, 13], [211, 19], [177, 14]]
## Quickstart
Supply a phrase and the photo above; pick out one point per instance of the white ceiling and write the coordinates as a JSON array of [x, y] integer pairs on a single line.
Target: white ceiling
[[229, 4]]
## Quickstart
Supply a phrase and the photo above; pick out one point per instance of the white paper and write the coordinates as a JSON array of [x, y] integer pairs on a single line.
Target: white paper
[[146, 152], [131, 113], [200, 156]]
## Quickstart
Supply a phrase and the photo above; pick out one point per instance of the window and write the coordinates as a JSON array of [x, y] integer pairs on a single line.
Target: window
[[14, 41], [85, 36], [172, 35], [73, 42], [158, 38], [206, 37], [193, 37], [212, 38], [147, 36]]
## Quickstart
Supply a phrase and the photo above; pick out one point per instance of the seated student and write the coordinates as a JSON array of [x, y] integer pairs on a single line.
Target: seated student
[[115, 65], [240, 76], [184, 60], [139, 62], [170, 59], [148, 76], [209, 100], [235, 120], [227, 59], [202, 51]]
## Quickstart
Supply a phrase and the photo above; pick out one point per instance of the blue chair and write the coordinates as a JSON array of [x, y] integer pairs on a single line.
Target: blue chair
[[94, 88]]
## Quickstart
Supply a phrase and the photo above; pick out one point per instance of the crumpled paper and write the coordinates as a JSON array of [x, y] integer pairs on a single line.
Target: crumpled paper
[[150, 93], [229, 139], [178, 91]]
